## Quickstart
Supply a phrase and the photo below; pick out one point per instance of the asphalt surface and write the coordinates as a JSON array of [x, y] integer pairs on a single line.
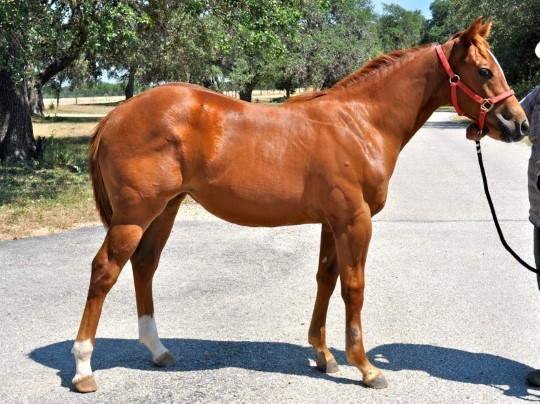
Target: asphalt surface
[[448, 315]]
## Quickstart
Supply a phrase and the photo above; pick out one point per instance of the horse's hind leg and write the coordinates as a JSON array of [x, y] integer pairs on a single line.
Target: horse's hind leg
[[145, 261], [121, 241], [326, 282]]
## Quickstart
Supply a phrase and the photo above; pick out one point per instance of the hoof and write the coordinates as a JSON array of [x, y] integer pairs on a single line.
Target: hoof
[[165, 360], [86, 385], [326, 367], [377, 383]]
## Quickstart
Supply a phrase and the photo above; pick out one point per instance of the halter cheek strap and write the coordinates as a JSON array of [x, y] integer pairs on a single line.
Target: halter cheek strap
[[486, 104]]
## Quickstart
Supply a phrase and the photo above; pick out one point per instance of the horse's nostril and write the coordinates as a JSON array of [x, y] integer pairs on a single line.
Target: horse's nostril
[[524, 127]]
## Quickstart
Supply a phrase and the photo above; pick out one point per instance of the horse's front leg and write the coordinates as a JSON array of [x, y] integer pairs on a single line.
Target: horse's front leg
[[352, 242], [326, 282]]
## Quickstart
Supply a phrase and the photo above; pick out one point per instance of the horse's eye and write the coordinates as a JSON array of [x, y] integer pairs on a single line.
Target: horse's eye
[[485, 73]]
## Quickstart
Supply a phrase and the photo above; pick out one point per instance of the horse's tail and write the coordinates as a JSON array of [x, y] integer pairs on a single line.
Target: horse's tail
[[103, 203]]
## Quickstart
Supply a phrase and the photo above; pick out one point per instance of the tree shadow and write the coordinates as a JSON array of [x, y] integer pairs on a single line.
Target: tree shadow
[[69, 119], [505, 375]]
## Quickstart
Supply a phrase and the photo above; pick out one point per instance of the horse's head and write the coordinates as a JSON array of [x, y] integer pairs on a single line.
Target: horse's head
[[491, 103]]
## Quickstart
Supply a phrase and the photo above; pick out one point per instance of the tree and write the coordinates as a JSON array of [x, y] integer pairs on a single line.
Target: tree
[[250, 36], [441, 26], [16, 136], [336, 37], [399, 28], [168, 43], [347, 39], [38, 40]]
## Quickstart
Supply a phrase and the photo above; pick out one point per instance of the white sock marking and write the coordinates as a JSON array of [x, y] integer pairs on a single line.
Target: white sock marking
[[83, 352], [148, 336]]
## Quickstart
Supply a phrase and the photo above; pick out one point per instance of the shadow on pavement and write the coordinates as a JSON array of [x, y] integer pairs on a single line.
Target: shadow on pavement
[[506, 375], [503, 374], [447, 125], [192, 355]]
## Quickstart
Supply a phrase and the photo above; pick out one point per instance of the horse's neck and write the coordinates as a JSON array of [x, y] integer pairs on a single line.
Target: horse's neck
[[404, 97]]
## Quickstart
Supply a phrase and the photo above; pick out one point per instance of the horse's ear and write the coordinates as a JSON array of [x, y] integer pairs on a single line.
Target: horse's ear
[[486, 28], [476, 28]]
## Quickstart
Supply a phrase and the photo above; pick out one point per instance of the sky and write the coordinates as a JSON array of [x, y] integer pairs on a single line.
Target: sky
[[422, 5]]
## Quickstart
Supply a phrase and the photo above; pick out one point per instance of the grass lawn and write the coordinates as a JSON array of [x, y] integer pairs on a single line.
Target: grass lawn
[[54, 195]]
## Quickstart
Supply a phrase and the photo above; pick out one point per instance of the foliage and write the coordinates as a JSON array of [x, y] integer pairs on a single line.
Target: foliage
[[441, 26], [171, 44], [52, 34], [399, 28], [19, 30], [223, 43], [345, 40], [251, 37], [335, 38]]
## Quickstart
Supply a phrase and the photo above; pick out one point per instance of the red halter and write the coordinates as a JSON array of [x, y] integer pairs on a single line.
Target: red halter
[[486, 104]]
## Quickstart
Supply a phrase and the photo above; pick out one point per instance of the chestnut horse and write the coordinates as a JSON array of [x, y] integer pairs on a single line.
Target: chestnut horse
[[324, 157]]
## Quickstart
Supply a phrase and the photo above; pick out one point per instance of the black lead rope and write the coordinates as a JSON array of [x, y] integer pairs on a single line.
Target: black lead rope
[[491, 207]]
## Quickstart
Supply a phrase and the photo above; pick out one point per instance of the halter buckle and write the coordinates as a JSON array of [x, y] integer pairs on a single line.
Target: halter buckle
[[454, 79], [487, 105]]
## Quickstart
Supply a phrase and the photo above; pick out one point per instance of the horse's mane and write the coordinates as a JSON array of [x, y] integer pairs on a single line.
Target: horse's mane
[[381, 62], [307, 96]]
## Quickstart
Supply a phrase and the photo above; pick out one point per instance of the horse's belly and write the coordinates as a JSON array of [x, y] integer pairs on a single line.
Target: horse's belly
[[255, 206]]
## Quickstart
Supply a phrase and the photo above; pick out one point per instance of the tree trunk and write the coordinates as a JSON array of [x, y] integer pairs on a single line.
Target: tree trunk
[[247, 91], [129, 90], [35, 99], [245, 95], [17, 143]]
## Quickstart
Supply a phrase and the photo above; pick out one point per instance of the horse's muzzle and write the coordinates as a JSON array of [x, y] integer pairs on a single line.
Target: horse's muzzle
[[513, 130]]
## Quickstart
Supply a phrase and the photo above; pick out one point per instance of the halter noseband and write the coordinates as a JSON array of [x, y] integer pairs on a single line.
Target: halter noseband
[[486, 104]]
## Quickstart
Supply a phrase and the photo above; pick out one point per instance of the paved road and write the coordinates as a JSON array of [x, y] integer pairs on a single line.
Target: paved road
[[448, 315]]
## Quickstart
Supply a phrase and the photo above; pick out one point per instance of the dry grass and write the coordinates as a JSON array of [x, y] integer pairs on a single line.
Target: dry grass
[[45, 216], [61, 127], [86, 109]]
